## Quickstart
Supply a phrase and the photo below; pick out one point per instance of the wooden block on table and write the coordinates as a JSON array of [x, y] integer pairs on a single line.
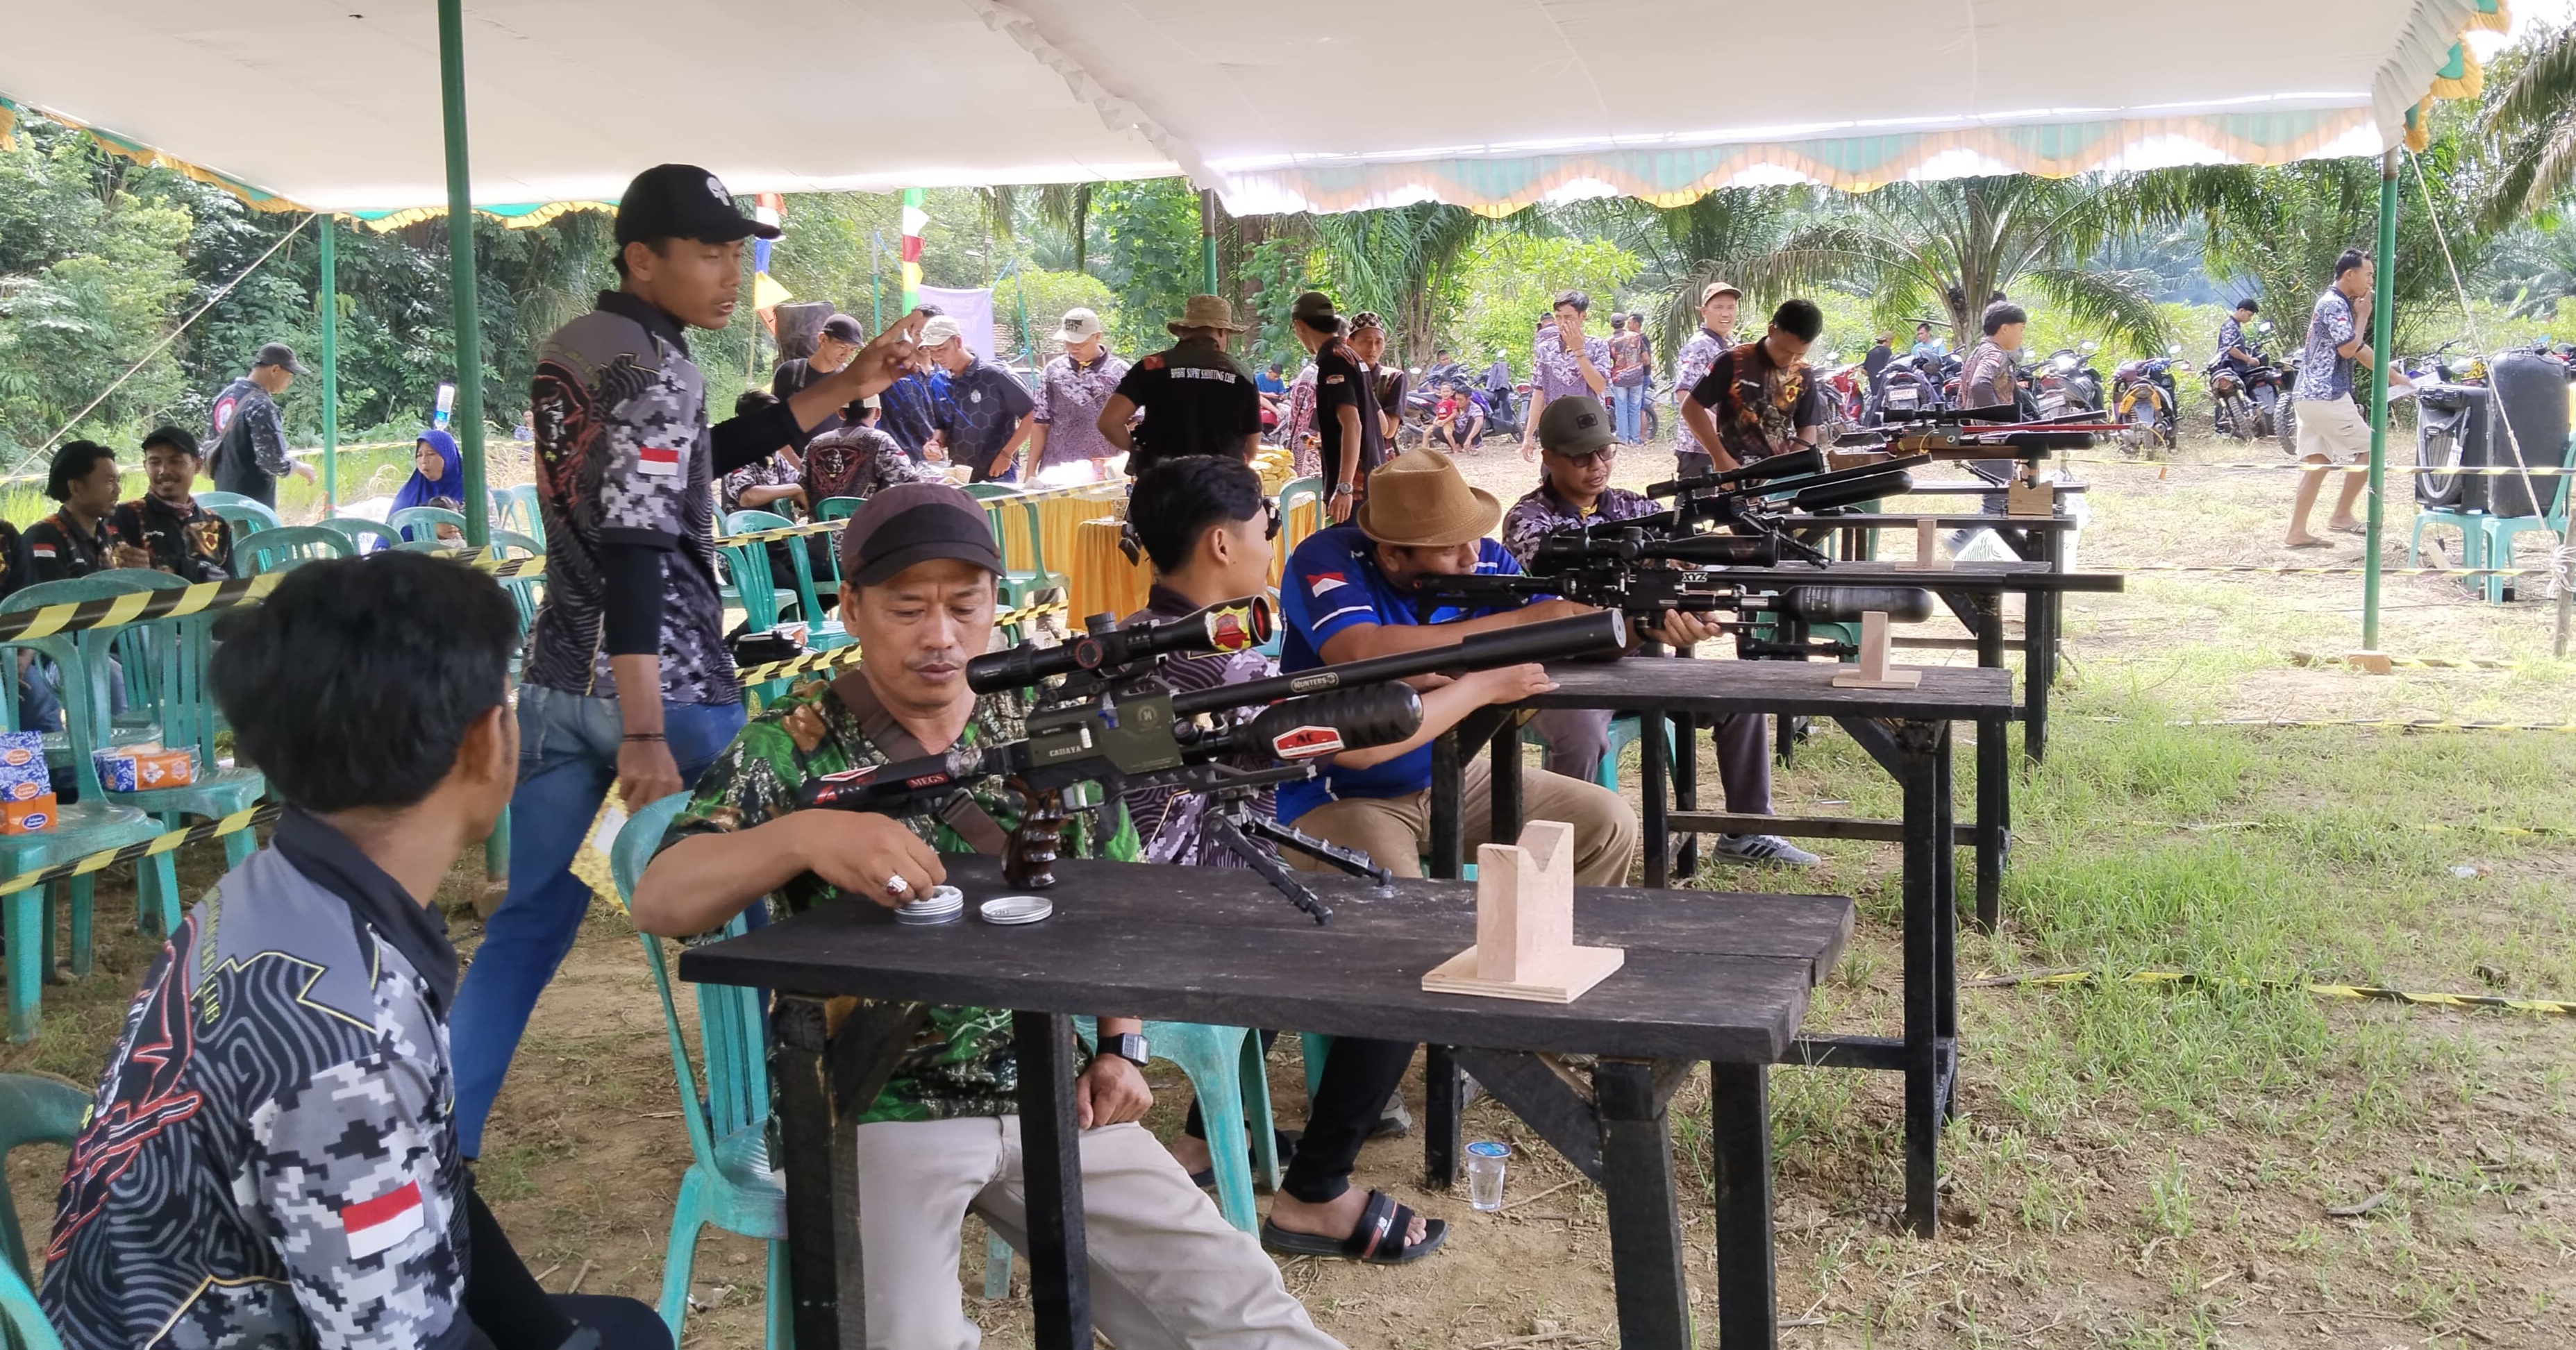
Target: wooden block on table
[[1871, 671], [1525, 925], [1927, 550], [2030, 499]]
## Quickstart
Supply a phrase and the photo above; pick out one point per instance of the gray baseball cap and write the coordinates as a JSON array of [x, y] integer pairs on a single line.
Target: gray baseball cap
[[1573, 425], [279, 354], [915, 523]]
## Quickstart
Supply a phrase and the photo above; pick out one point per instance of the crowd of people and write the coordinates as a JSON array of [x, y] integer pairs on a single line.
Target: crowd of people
[[283, 1143]]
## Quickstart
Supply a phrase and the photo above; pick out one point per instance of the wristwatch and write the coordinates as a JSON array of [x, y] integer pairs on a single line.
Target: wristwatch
[[1344, 489], [1128, 1046]]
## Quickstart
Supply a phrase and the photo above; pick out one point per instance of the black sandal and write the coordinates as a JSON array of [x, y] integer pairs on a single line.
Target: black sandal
[[1377, 1241]]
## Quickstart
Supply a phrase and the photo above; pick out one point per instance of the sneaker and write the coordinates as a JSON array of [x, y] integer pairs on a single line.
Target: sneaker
[[1762, 848]]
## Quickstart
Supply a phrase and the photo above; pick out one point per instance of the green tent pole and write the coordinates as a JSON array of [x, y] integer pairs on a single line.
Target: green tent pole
[[468, 420], [330, 302], [911, 250], [876, 283], [2382, 322], [1207, 241]]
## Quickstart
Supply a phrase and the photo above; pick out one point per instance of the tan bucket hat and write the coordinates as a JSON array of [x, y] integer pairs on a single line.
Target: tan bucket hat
[[1206, 311], [1419, 500]]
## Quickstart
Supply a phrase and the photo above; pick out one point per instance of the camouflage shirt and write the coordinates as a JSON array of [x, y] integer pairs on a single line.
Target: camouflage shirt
[[269, 1158], [963, 1062], [624, 456]]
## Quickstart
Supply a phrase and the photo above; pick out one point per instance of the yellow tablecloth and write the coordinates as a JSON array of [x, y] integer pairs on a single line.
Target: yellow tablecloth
[[1059, 512], [1103, 581]]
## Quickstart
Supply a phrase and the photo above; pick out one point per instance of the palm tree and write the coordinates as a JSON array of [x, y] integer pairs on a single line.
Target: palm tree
[[1686, 247], [1396, 262], [2530, 115], [1947, 247]]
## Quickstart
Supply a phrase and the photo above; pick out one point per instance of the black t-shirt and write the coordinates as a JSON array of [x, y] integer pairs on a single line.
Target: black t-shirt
[[194, 545], [60, 550], [1390, 383], [794, 376], [1196, 401], [1339, 381]]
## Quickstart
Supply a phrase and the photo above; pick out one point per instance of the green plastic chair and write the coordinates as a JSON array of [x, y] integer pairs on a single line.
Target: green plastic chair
[[516, 509], [1298, 492], [172, 654], [92, 825], [140, 722], [838, 508], [1020, 587], [1226, 1070], [365, 536], [1623, 733], [279, 549], [33, 1110], [247, 517], [809, 602], [2496, 532], [422, 522]]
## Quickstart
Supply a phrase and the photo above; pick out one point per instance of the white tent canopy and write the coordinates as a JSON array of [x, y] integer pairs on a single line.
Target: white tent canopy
[[1327, 105]]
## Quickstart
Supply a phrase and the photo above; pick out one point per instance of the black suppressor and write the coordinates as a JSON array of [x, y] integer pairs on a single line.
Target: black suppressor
[[1845, 604]]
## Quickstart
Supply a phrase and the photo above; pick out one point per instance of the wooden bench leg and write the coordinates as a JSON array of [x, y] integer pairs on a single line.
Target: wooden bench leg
[[1748, 1312], [1645, 1207]]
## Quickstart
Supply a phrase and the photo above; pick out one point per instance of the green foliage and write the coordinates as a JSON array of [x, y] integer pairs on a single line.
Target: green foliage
[[1049, 295], [1149, 257], [1507, 281]]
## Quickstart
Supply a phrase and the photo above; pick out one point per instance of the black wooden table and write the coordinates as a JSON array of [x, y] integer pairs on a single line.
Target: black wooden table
[[1721, 979], [1906, 730]]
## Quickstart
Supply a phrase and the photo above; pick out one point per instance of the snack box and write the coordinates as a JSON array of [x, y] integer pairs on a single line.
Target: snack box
[[34, 815], [141, 768], [22, 760]]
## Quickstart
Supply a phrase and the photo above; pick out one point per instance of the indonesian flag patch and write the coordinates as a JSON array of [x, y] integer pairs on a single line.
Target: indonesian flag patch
[[1321, 582], [375, 1225], [659, 460]]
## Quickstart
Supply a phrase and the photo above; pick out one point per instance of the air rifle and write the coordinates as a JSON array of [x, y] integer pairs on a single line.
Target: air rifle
[[1625, 567], [1747, 501], [1110, 719]]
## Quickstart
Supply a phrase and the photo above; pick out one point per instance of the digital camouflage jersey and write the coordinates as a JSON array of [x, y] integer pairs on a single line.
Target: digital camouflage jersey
[[962, 1063]]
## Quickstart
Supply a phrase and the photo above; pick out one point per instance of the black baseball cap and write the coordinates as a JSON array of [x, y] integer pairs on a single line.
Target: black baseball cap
[[843, 328], [915, 523], [682, 201], [1313, 309], [279, 354]]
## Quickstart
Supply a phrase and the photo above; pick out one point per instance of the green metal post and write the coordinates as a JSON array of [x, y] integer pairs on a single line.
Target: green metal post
[[468, 419], [2382, 321], [1207, 241], [330, 302], [911, 260]]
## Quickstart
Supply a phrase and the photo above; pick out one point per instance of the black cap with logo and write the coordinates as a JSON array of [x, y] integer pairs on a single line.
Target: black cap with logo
[[683, 201]]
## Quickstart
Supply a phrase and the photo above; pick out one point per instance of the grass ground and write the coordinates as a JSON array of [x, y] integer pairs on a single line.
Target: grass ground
[[2231, 1165]]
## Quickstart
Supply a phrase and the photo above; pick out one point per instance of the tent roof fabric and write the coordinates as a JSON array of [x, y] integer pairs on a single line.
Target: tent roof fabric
[[1333, 105]]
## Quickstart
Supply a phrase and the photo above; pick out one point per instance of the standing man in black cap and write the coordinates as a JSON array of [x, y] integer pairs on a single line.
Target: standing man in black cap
[[840, 340], [628, 683], [249, 434]]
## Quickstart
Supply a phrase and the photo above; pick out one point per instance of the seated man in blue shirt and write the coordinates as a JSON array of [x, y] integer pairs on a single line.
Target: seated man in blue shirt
[[1343, 598], [271, 1158]]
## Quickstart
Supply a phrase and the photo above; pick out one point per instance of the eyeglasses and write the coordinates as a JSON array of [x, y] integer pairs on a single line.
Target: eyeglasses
[[1605, 455]]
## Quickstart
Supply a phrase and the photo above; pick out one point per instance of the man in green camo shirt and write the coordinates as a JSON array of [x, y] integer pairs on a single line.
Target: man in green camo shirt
[[943, 1138]]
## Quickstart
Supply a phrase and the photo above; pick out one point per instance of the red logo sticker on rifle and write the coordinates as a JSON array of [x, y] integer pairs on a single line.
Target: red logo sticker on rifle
[[1307, 742]]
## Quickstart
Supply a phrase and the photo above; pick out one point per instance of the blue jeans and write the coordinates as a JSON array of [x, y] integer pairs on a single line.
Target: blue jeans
[[567, 765], [1627, 405]]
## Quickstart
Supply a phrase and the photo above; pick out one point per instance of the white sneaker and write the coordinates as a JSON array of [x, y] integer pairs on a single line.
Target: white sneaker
[[1762, 848]]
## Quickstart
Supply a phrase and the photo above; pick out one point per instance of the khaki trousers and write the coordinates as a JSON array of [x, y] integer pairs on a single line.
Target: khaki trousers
[[1167, 1272], [1396, 831]]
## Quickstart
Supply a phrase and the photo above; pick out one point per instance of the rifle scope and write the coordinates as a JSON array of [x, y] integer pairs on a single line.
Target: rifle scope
[[1603, 633], [1558, 554], [1232, 626]]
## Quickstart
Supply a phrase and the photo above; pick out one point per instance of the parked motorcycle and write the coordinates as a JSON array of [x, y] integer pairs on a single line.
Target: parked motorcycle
[[2065, 381], [2143, 399], [1907, 384]]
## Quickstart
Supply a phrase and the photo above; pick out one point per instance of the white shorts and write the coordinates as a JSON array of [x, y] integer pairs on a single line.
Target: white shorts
[[2334, 428]]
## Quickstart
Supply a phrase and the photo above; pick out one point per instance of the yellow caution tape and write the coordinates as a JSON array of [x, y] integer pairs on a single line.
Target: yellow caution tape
[[2423, 662], [141, 606], [2549, 831], [78, 867], [2182, 979], [2398, 723]]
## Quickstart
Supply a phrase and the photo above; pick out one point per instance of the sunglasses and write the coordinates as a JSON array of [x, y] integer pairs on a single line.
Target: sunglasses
[[1274, 518], [1605, 455]]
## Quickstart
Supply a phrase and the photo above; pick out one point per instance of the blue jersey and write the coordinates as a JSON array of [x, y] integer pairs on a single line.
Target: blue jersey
[[1331, 585]]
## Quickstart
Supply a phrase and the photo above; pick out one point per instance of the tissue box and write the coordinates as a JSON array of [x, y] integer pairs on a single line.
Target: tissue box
[[141, 768], [22, 760], [34, 815]]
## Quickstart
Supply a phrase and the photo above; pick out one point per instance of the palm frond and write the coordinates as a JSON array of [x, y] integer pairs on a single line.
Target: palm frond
[[2113, 302]]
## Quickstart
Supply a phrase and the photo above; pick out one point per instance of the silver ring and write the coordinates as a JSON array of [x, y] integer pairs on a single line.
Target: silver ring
[[896, 885]]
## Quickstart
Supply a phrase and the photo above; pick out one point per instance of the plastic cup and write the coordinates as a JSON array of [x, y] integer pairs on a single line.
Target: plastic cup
[[1485, 1164]]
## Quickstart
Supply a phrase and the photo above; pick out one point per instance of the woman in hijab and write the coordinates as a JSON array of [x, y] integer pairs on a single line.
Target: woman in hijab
[[439, 471]]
